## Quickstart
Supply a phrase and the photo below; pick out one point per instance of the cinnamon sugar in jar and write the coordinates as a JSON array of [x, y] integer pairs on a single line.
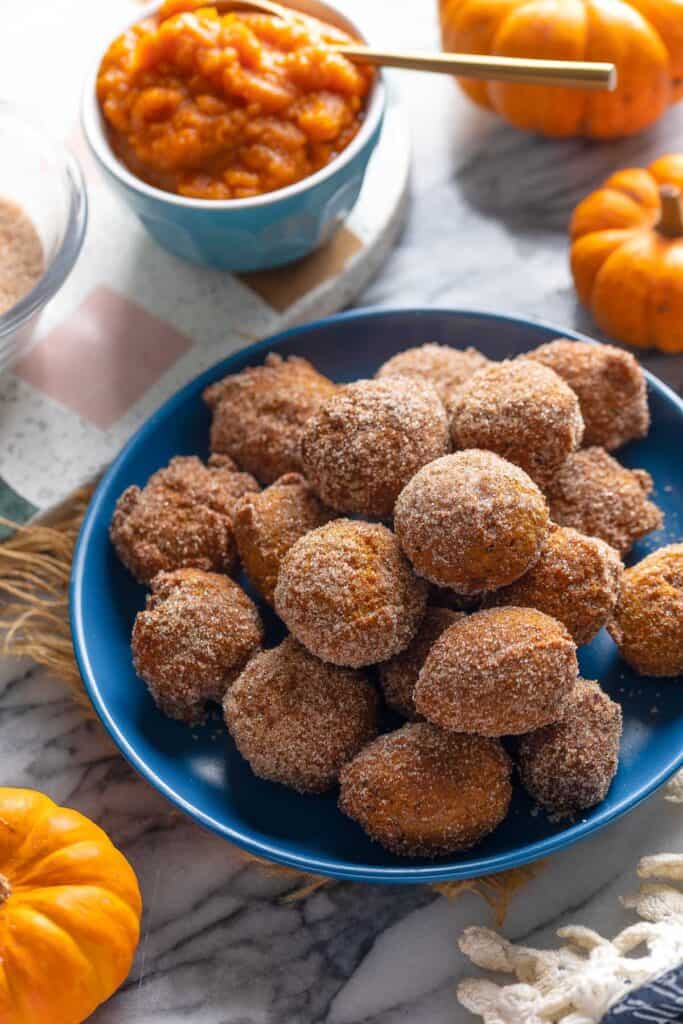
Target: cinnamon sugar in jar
[[21, 254]]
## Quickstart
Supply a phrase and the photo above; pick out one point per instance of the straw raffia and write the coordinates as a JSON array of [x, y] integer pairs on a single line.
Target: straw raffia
[[35, 565]]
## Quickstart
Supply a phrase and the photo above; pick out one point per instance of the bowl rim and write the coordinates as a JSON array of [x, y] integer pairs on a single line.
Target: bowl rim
[[64, 260], [312, 864], [93, 128]]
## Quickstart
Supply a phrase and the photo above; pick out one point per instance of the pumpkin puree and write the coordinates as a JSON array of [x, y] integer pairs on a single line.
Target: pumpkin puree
[[228, 106]]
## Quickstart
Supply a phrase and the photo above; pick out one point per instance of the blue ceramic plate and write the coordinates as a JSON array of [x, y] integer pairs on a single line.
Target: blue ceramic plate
[[200, 769]]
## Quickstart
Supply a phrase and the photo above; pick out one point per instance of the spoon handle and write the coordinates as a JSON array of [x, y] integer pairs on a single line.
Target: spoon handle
[[572, 74], [569, 73]]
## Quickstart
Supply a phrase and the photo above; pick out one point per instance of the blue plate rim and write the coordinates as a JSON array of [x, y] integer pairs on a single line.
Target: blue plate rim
[[311, 864]]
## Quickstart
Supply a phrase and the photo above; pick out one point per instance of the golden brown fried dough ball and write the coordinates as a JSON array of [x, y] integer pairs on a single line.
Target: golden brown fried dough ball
[[349, 595], [569, 766], [471, 521], [180, 519], [576, 580], [610, 386], [522, 411], [502, 671], [445, 367], [398, 676], [597, 496], [267, 524], [366, 442], [298, 720], [258, 414], [219, 485], [423, 792], [193, 639], [648, 621]]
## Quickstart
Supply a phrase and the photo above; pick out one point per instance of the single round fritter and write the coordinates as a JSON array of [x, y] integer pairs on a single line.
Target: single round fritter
[[348, 594], [576, 580], [193, 639], [422, 792], [298, 720], [267, 524], [471, 521], [181, 518], [648, 621], [365, 443], [599, 497], [398, 676], [569, 766], [523, 412], [445, 367], [258, 414], [219, 485], [498, 672], [610, 386]]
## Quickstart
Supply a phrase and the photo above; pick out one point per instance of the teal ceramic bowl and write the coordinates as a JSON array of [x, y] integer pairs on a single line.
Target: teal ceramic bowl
[[245, 234]]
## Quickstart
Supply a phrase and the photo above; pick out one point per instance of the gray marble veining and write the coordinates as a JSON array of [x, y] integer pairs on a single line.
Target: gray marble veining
[[487, 228]]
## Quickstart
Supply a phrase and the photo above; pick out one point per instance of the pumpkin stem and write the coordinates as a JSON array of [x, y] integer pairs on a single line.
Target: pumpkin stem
[[5, 889], [671, 216]]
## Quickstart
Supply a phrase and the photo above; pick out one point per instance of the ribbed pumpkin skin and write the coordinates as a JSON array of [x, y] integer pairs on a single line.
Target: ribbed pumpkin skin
[[627, 272], [70, 925], [644, 38]]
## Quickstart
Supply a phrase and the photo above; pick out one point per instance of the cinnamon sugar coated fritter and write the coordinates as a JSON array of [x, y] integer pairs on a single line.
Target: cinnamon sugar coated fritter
[[258, 414], [367, 441], [648, 621], [522, 411], [568, 767], [194, 637], [502, 671], [267, 524], [576, 580], [423, 792], [471, 521], [594, 494], [181, 518], [219, 485], [398, 676], [349, 595], [445, 367], [297, 720], [609, 384]]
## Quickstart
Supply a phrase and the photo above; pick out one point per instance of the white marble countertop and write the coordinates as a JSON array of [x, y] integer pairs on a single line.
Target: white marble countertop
[[486, 229]]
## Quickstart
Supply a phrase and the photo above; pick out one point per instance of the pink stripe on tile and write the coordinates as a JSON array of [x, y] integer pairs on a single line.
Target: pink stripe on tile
[[102, 359]]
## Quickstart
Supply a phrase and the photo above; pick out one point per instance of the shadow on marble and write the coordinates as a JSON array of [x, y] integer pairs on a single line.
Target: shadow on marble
[[533, 184]]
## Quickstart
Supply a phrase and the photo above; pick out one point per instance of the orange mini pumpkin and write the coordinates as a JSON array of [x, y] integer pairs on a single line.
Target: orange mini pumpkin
[[627, 255], [69, 914], [644, 38]]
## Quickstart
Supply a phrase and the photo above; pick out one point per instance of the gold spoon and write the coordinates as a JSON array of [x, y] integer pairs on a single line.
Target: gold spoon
[[569, 73]]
